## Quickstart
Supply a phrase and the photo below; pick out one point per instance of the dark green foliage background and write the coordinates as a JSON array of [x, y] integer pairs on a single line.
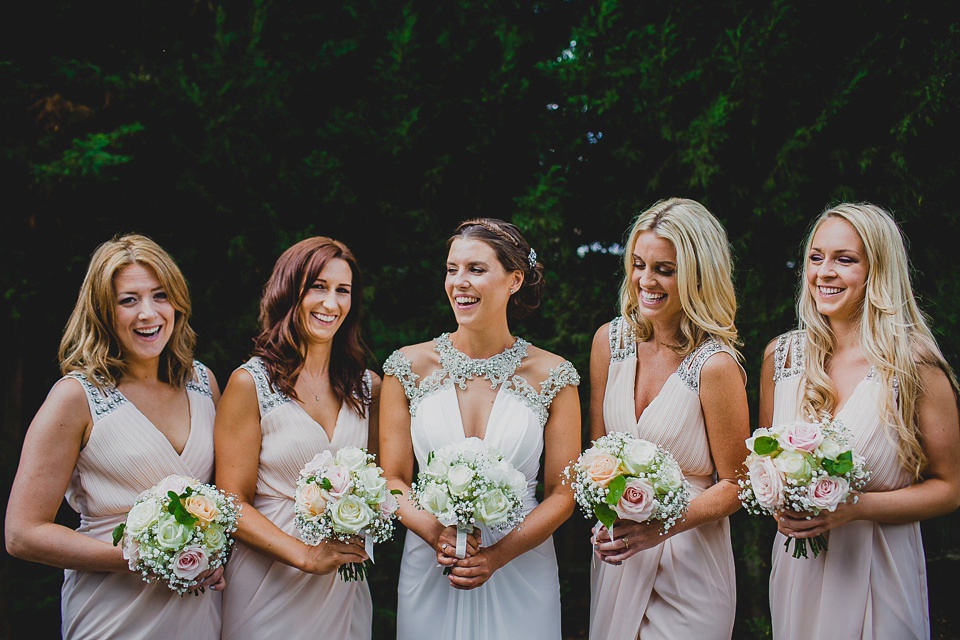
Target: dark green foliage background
[[227, 131]]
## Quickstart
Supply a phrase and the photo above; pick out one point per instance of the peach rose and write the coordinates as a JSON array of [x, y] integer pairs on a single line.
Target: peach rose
[[312, 501], [202, 507], [600, 466]]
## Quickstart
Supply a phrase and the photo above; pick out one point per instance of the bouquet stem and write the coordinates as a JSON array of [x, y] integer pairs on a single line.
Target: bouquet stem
[[354, 570], [817, 544]]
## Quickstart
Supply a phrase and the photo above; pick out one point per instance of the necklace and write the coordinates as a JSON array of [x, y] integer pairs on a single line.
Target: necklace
[[309, 388], [497, 368]]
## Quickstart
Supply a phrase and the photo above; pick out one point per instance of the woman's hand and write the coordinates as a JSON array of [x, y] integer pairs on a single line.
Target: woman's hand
[[475, 569], [446, 545], [794, 524], [212, 579], [629, 538], [330, 554]]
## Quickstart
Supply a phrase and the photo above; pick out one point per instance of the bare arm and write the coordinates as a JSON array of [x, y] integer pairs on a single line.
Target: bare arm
[[599, 368], [765, 410], [49, 456], [237, 440], [373, 434]]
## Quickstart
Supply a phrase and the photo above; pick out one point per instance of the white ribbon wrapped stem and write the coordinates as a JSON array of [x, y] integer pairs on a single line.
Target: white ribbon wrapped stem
[[368, 545], [461, 543]]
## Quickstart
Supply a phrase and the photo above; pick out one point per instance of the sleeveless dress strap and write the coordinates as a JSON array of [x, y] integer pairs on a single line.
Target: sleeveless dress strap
[[268, 398], [789, 348], [102, 402], [689, 369], [623, 342], [399, 366], [200, 382]]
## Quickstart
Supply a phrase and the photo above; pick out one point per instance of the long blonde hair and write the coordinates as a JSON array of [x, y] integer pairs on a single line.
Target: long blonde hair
[[894, 333], [704, 274], [89, 344]]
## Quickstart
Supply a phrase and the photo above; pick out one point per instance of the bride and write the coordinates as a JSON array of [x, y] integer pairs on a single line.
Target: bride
[[481, 381]]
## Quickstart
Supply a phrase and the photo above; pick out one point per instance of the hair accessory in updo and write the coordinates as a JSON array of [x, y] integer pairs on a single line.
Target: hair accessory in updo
[[532, 258]]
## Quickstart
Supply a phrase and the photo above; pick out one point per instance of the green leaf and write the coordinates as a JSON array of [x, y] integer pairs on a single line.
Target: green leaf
[[605, 514], [326, 484], [616, 489], [178, 511], [765, 445], [396, 492], [118, 533], [843, 464]]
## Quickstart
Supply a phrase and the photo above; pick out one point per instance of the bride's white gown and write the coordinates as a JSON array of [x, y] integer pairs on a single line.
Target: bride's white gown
[[522, 599]]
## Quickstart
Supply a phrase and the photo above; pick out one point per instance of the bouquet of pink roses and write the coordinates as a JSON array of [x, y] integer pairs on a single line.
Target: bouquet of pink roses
[[343, 496], [630, 478], [178, 529], [802, 466]]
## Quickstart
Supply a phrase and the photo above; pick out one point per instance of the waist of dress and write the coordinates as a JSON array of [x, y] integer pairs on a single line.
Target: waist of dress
[[100, 527]]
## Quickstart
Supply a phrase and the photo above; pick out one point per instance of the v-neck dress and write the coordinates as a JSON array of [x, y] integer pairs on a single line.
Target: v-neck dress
[[684, 587], [871, 582], [124, 456], [521, 600], [266, 598]]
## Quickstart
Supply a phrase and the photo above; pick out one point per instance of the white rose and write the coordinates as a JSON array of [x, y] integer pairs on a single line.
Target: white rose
[[352, 458], [371, 485], [638, 455], [434, 500], [671, 477], [793, 465], [351, 514], [492, 508], [459, 478], [214, 538], [171, 534], [830, 449], [143, 515]]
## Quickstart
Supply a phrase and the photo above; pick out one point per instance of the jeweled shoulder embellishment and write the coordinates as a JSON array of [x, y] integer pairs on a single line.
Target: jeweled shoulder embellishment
[[400, 367], [497, 368], [789, 344], [267, 397], [689, 370], [101, 402], [623, 342], [201, 381]]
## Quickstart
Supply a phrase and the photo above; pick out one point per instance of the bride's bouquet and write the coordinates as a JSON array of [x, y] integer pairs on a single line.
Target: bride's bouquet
[[622, 476], [805, 467], [467, 483], [176, 530], [344, 496]]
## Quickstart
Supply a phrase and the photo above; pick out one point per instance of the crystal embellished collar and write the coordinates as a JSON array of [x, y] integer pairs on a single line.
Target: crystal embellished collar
[[497, 368]]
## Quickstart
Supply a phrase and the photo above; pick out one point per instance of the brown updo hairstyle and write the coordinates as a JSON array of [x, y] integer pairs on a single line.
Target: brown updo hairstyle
[[281, 345], [513, 253]]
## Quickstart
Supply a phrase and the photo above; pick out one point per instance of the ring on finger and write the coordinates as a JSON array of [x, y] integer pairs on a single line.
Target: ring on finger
[[626, 543], [443, 547]]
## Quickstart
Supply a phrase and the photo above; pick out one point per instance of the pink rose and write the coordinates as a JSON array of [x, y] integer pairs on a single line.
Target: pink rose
[[389, 505], [801, 436], [600, 466], [638, 501], [190, 562], [177, 484], [317, 464], [767, 482], [340, 480], [826, 492]]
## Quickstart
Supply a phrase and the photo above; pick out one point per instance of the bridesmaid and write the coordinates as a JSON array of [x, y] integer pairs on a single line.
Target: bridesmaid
[[132, 408], [666, 370], [305, 390], [482, 381], [864, 355]]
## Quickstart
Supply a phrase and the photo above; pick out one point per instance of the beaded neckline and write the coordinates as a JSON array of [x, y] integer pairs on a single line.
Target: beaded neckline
[[497, 368]]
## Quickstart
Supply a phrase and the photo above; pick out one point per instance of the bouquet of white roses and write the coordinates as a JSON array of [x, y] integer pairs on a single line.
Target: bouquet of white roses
[[466, 483], [804, 467], [178, 529], [622, 476], [343, 496]]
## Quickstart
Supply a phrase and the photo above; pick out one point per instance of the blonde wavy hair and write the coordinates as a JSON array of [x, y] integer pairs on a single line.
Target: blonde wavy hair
[[704, 274], [89, 344], [894, 333]]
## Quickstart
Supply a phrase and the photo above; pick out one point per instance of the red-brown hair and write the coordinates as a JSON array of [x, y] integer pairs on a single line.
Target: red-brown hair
[[281, 345]]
